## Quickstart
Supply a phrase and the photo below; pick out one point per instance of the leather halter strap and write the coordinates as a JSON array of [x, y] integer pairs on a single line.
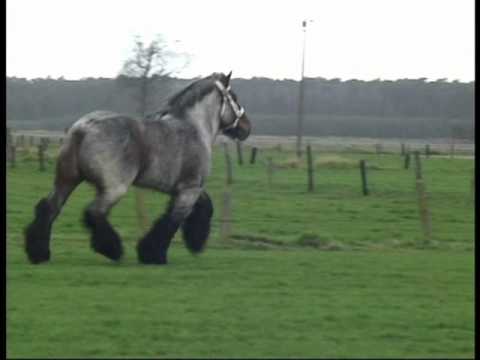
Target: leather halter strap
[[237, 109]]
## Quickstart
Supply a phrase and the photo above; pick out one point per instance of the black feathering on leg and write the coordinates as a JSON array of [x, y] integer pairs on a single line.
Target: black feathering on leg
[[37, 234], [196, 228], [105, 239], [152, 249]]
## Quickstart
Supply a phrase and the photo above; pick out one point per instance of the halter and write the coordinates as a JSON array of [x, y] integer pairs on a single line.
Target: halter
[[238, 110]]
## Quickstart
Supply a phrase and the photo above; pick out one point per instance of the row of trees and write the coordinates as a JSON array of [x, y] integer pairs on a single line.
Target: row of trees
[[429, 104]]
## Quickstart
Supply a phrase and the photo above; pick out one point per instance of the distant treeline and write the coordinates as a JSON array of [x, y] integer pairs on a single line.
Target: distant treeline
[[406, 107]]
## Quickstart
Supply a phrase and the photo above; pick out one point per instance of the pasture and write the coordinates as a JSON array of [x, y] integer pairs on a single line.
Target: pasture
[[328, 274]]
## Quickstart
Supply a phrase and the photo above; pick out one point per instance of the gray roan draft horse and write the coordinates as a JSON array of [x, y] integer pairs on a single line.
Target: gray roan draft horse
[[170, 151]]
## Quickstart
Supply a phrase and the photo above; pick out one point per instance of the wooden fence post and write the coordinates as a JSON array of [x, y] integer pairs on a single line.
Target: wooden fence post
[[402, 149], [418, 165], [239, 153], [406, 164], [41, 156], [254, 155], [13, 156], [9, 136], [425, 218], [141, 209], [7, 151], [363, 173], [452, 147], [228, 164], [32, 141], [8, 144], [310, 169], [226, 217], [427, 150], [226, 220]]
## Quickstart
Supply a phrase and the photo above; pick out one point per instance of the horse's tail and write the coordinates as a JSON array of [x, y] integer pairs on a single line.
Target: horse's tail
[[196, 227], [67, 161]]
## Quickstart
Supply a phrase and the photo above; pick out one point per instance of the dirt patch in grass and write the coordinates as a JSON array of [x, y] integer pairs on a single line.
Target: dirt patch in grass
[[305, 240]]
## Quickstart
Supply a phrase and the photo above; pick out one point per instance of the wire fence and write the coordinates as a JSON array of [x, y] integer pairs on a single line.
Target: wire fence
[[339, 197]]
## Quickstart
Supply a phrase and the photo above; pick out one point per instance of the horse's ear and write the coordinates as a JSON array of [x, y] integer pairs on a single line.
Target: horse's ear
[[227, 80]]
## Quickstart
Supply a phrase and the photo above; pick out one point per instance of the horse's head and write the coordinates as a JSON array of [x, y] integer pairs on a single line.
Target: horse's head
[[233, 121]]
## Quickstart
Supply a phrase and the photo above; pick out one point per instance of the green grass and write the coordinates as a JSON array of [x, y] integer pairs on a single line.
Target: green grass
[[378, 296]]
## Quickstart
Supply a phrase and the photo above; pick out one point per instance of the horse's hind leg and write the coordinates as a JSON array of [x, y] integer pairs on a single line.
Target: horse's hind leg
[[37, 234], [152, 249], [105, 240]]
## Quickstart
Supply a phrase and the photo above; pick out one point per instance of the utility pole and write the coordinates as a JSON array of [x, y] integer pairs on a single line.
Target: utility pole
[[300, 94]]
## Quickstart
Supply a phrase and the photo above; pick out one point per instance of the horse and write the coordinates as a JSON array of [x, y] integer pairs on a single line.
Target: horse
[[169, 151]]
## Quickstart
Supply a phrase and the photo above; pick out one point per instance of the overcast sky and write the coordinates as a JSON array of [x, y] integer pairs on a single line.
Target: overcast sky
[[361, 39]]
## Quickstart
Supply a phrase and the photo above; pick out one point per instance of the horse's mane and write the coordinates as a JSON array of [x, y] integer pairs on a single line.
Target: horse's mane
[[193, 93]]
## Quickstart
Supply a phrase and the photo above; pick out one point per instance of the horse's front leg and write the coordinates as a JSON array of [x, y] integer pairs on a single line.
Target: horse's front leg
[[152, 249]]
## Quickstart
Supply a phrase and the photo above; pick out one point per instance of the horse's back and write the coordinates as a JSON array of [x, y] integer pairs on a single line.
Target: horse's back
[[96, 119], [109, 146]]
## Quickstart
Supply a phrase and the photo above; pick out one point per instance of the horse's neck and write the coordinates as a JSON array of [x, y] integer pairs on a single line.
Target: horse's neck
[[204, 115]]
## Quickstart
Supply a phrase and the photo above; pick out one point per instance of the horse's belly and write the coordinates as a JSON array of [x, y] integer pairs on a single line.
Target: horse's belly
[[158, 177], [154, 183]]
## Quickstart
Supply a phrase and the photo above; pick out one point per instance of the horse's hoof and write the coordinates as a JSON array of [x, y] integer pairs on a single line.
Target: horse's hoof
[[38, 256], [37, 249], [113, 251], [152, 260], [105, 239], [148, 258]]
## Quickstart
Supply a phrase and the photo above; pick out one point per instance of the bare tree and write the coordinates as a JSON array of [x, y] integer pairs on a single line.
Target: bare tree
[[147, 71], [146, 75]]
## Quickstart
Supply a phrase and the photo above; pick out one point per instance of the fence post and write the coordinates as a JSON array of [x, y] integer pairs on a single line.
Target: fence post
[[142, 215], [270, 171], [41, 156], [422, 200], [310, 169], [228, 164], [406, 164], [13, 156], [239, 153], [46, 141], [427, 150], [418, 165], [452, 147], [8, 144], [253, 156], [21, 141], [226, 222], [9, 136], [32, 141], [226, 225], [363, 173], [402, 149]]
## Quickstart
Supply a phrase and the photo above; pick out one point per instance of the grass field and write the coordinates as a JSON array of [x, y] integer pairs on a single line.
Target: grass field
[[378, 295]]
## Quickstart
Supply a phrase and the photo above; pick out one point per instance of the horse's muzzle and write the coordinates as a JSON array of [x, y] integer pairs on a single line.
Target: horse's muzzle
[[241, 131]]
